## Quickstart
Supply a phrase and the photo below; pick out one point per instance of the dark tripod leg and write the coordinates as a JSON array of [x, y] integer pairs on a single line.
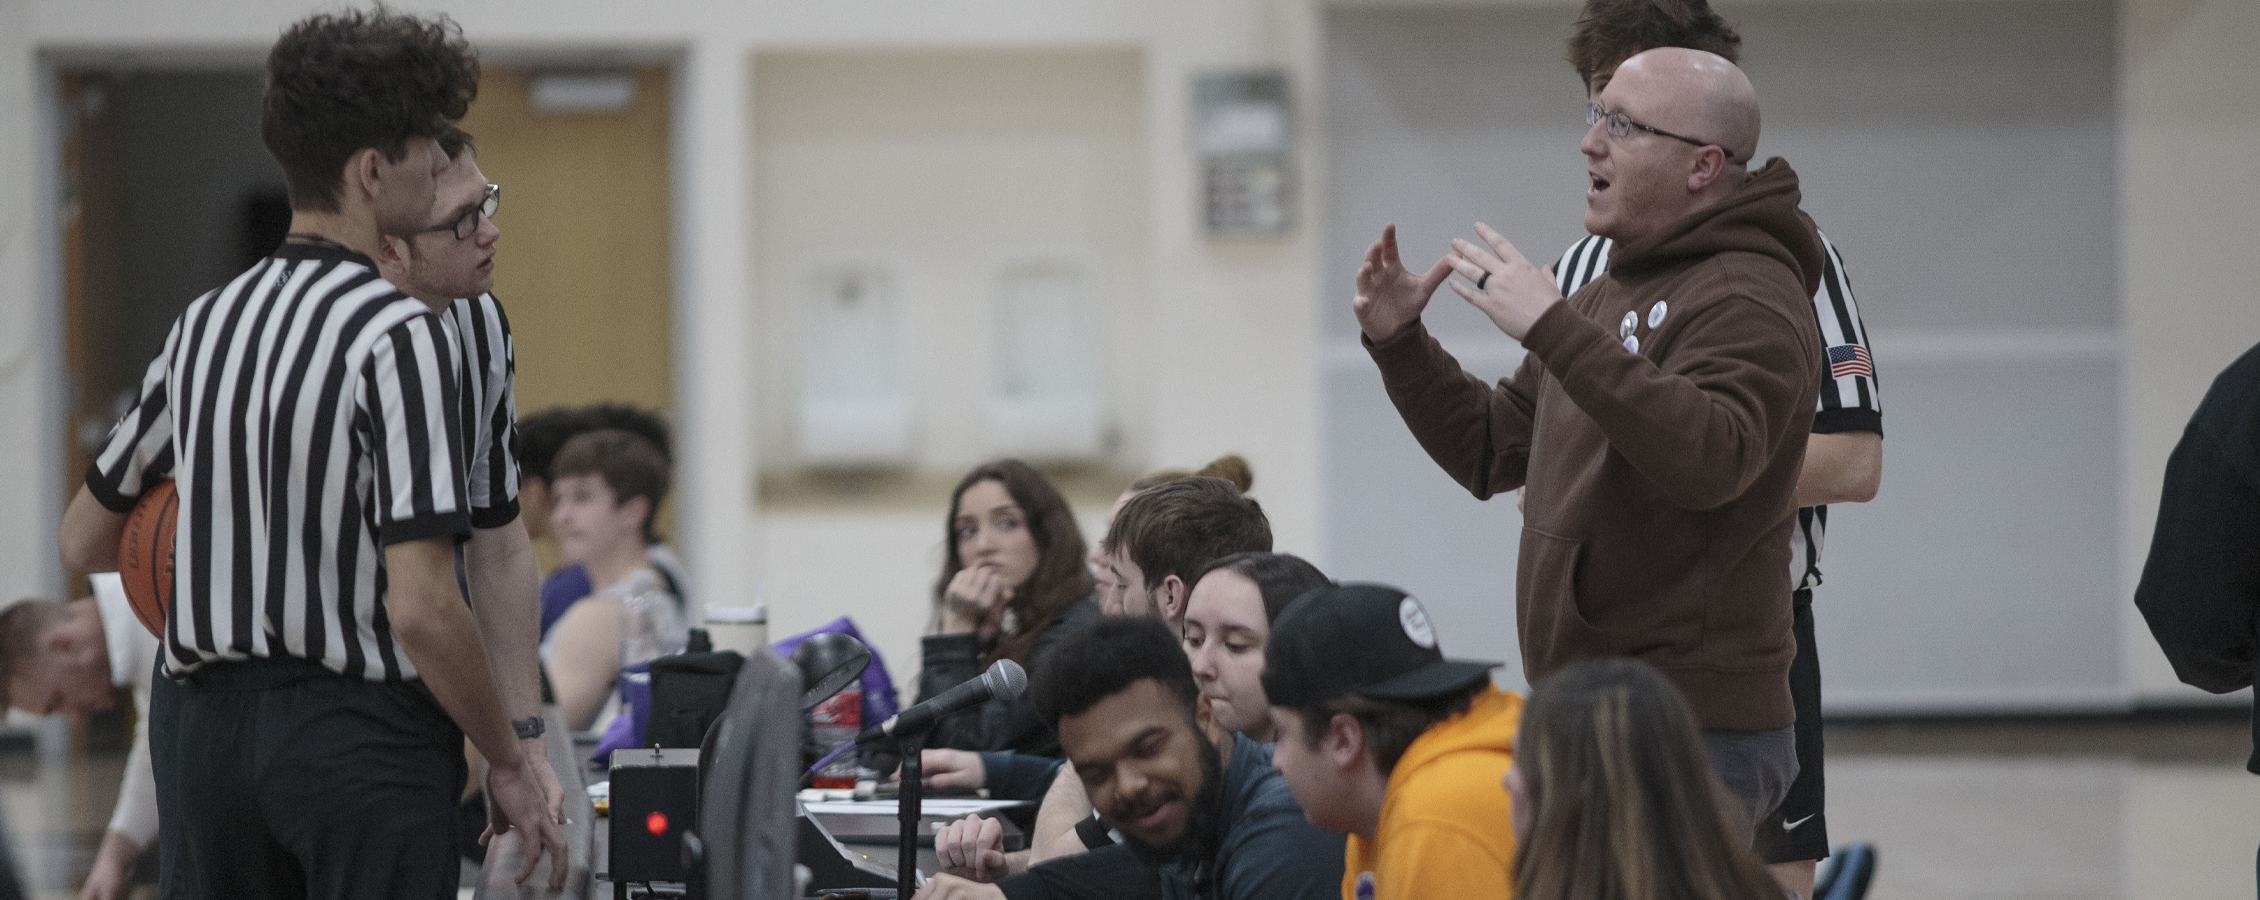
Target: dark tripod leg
[[908, 811]]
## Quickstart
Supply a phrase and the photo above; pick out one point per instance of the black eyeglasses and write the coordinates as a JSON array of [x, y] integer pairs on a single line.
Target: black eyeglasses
[[1621, 125], [468, 223]]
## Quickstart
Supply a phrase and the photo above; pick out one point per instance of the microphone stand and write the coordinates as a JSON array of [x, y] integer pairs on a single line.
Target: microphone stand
[[908, 810]]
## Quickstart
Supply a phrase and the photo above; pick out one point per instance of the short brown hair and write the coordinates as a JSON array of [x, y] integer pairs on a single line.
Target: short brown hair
[[20, 628], [629, 464], [1612, 31], [1180, 527], [340, 83], [538, 437], [1390, 726]]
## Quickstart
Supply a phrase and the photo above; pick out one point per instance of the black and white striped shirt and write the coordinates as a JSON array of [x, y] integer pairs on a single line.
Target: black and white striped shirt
[[1849, 399], [487, 369], [310, 415]]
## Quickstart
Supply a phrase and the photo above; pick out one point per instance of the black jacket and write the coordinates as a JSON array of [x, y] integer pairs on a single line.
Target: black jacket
[[953, 659], [2200, 589]]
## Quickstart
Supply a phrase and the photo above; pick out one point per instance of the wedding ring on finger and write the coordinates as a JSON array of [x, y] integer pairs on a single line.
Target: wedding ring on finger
[[1480, 281]]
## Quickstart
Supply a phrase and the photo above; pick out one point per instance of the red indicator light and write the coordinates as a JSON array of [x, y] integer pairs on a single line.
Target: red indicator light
[[656, 823]]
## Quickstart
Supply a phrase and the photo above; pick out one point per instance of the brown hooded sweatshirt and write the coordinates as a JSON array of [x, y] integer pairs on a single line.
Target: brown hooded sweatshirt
[[1662, 478]]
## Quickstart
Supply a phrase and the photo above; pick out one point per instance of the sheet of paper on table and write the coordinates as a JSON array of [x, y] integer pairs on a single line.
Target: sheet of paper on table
[[953, 807]]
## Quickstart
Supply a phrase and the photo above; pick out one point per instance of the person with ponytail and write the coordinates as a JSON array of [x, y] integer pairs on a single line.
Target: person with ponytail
[[1230, 467]]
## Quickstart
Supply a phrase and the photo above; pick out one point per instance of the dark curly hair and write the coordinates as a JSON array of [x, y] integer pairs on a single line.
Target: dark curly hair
[[339, 83], [1061, 580], [1097, 659], [1612, 31]]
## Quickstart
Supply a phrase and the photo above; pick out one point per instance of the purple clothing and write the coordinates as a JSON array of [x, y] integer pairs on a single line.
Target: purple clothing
[[879, 699], [560, 591]]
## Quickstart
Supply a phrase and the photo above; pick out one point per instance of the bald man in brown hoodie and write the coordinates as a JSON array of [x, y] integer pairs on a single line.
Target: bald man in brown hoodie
[[1659, 418]]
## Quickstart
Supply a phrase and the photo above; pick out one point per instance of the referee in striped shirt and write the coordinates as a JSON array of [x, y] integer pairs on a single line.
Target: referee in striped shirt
[[322, 665], [1843, 457], [449, 266]]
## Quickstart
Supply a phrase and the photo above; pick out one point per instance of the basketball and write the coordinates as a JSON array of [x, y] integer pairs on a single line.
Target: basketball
[[145, 555]]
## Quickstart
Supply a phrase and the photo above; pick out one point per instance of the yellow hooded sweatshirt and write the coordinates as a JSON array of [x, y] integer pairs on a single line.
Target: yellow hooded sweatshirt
[[1447, 827]]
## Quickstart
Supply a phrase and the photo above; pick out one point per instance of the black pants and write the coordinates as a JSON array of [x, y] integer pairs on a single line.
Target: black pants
[[1798, 828], [282, 779]]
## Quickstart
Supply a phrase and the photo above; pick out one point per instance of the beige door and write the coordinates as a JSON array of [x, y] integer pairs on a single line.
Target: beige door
[[583, 267]]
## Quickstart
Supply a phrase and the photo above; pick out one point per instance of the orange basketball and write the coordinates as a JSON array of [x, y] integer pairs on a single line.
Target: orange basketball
[[145, 555]]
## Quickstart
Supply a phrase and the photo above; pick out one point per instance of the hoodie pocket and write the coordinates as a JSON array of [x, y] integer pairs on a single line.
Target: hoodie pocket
[[1554, 631]]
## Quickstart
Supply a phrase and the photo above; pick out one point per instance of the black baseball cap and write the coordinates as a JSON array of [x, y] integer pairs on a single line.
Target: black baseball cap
[[1367, 639]]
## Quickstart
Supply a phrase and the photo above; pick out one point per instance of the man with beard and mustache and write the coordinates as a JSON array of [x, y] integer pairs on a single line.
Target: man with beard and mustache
[[1201, 812]]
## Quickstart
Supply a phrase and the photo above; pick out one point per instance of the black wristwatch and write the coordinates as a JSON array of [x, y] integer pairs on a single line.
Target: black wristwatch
[[529, 727]]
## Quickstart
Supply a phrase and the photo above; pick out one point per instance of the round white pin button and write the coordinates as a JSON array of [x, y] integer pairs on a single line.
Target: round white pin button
[[1631, 322], [1415, 621], [1656, 313], [1632, 343]]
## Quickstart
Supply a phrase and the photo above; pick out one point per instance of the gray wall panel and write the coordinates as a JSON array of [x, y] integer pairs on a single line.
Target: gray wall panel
[[1963, 156], [1985, 574]]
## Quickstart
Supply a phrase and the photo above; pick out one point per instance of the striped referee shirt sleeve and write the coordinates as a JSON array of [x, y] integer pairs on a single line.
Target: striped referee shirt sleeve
[[1853, 401], [140, 450], [410, 401], [1581, 263], [491, 413]]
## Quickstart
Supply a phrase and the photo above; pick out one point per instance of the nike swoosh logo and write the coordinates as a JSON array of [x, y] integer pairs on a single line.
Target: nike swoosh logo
[[1792, 825]]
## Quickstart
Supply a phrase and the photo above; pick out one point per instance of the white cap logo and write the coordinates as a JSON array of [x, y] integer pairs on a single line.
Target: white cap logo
[[1410, 615]]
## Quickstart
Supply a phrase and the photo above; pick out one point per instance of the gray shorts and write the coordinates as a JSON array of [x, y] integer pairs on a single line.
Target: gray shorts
[[1757, 768]]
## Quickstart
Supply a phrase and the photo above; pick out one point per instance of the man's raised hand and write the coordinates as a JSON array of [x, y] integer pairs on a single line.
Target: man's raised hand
[[1390, 296], [1514, 293]]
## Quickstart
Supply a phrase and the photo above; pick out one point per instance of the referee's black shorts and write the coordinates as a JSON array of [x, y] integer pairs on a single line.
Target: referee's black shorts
[[281, 779], [1798, 828]]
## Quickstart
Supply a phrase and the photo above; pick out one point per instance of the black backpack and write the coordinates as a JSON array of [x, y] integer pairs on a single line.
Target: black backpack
[[688, 691]]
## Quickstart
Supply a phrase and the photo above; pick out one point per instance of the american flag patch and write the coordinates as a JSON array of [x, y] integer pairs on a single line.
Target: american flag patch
[[1849, 359]]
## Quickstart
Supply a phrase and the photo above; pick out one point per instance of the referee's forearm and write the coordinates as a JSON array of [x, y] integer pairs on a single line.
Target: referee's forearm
[[506, 600], [435, 628]]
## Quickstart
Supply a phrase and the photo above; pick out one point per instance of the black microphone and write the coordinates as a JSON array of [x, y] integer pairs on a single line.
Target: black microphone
[[1004, 680]]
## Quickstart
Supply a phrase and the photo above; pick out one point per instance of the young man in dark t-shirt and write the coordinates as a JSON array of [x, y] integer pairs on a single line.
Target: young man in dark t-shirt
[[1201, 812]]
